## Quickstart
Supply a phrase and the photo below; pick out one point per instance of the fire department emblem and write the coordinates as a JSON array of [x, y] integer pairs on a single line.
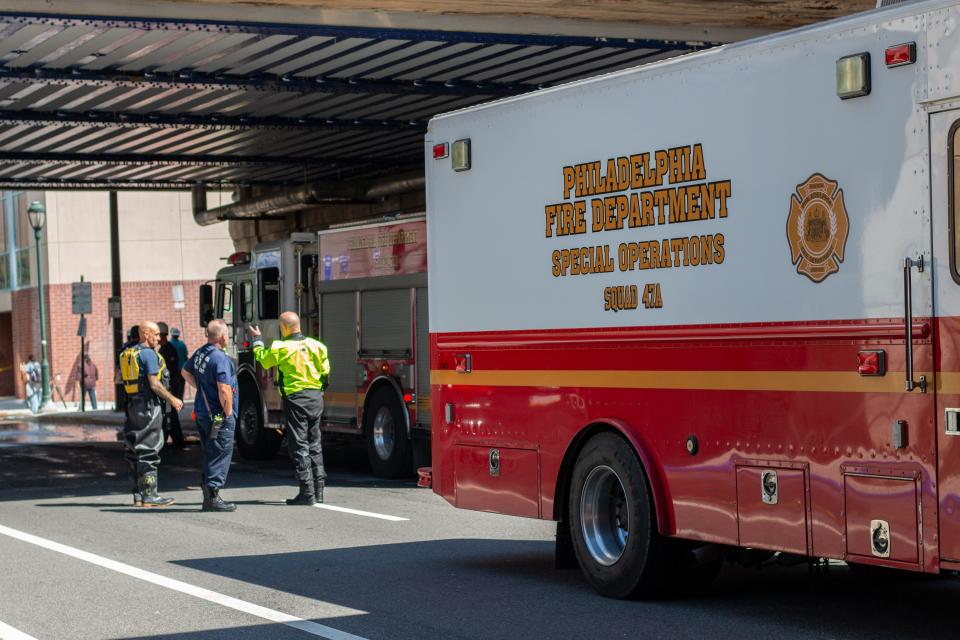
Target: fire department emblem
[[817, 227]]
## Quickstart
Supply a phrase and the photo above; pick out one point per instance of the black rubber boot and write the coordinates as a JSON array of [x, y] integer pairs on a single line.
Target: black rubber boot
[[213, 502], [318, 491], [206, 494], [148, 489], [305, 497]]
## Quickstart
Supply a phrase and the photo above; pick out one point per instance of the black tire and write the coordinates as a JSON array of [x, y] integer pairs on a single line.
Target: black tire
[[253, 441], [633, 560], [384, 428]]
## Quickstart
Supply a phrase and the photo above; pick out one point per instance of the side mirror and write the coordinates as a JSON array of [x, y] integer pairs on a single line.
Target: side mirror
[[206, 304]]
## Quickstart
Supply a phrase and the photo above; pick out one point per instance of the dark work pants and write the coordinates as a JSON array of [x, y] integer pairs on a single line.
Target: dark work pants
[[171, 419], [301, 412], [216, 452], [142, 436]]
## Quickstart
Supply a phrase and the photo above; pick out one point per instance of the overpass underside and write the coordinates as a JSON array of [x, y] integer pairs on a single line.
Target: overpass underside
[[112, 95]]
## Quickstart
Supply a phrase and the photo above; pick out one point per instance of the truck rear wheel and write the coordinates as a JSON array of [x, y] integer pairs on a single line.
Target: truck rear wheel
[[388, 446], [613, 525], [254, 442]]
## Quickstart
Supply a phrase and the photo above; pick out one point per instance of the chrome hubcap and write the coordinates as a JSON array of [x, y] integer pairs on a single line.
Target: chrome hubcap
[[383, 433], [604, 515]]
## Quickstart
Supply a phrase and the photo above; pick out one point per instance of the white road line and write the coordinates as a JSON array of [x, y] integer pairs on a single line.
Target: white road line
[[357, 512], [9, 633], [176, 585]]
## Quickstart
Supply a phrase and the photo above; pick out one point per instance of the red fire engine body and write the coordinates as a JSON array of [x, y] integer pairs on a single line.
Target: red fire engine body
[[708, 303], [361, 289]]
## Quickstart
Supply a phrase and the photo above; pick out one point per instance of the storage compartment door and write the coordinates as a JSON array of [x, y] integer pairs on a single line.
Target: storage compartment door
[[338, 331], [881, 515], [507, 478], [385, 324], [423, 359], [772, 509]]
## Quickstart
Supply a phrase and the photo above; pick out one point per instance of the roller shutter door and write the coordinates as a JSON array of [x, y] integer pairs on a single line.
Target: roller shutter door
[[423, 358], [338, 333], [385, 322]]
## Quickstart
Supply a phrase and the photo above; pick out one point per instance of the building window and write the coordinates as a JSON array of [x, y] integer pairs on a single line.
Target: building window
[[16, 238]]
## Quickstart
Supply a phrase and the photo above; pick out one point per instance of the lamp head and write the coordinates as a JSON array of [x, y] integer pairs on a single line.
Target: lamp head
[[37, 214]]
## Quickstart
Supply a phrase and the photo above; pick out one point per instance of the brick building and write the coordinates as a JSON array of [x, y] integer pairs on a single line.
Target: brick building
[[160, 247]]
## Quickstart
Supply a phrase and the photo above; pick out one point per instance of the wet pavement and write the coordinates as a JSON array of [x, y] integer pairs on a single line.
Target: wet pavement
[[21, 433]]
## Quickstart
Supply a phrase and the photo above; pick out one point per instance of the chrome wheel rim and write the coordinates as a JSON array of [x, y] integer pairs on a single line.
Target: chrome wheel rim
[[383, 436], [604, 515], [248, 423]]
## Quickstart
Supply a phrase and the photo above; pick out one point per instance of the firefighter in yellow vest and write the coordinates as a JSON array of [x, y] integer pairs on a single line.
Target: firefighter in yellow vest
[[302, 370], [143, 372]]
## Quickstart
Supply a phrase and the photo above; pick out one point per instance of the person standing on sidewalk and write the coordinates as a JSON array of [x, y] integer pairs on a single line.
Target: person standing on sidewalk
[[142, 369], [214, 375], [303, 368], [32, 386], [90, 377]]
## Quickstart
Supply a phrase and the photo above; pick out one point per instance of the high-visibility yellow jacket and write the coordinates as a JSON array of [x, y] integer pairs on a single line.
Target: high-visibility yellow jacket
[[301, 362]]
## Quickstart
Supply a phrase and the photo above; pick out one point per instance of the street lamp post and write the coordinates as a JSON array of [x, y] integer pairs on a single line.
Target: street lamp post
[[38, 215]]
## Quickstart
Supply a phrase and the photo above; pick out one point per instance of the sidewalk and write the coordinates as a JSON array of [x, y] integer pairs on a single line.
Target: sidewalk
[[12, 408]]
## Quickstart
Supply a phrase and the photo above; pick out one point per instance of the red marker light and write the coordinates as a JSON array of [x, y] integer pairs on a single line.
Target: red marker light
[[246, 344], [901, 54], [872, 363], [440, 151], [408, 398]]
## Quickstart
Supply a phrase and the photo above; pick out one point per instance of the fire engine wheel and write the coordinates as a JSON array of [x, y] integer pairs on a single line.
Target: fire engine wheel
[[388, 446], [254, 442], [613, 526]]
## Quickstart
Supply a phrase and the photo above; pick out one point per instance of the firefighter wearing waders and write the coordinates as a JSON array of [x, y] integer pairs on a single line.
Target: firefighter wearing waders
[[213, 374], [142, 370], [302, 370]]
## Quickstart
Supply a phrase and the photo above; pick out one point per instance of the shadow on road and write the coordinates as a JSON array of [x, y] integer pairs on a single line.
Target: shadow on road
[[510, 589], [94, 466]]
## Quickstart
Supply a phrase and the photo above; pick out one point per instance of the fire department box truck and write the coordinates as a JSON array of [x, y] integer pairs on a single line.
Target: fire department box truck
[[362, 291], [710, 303]]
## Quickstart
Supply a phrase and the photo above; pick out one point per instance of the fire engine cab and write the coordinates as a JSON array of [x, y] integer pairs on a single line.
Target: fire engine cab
[[362, 291], [710, 303]]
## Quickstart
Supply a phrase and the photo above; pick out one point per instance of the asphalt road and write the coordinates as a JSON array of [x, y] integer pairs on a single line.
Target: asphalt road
[[78, 561]]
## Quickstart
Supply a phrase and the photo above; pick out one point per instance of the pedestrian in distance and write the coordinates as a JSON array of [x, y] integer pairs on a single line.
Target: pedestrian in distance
[[180, 346], [142, 370], [171, 418], [88, 371], [303, 369], [33, 389], [214, 375]]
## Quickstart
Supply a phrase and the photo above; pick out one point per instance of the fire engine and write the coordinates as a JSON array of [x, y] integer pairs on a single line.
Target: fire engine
[[362, 291], [711, 303]]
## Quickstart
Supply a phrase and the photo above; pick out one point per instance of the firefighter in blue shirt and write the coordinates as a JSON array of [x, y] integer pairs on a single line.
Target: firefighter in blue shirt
[[142, 370], [214, 375]]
